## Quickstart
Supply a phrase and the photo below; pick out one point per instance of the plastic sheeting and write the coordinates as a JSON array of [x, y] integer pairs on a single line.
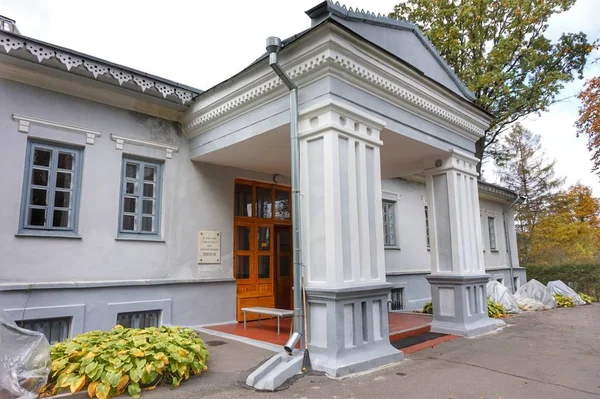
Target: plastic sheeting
[[499, 293], [24, 360], [533, 291], [558, 287]]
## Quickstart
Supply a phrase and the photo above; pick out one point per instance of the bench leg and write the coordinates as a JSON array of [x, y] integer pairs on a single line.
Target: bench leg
[[259, 320], [278, 318], [244, 320]]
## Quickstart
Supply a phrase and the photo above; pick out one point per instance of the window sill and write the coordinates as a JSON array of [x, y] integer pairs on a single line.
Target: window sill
[[140, 239], [392, 247], [49, 234]]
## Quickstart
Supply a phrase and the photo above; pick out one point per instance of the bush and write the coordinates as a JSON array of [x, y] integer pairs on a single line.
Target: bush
[[581, 278], [563, 301], [125, 359], [495, 310]]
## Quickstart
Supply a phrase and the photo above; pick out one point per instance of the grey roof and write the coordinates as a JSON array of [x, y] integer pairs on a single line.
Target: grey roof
[[498, 191], [398, 37]]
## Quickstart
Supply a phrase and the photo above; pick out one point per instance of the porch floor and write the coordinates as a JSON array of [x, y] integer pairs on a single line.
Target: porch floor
[[401, 325]]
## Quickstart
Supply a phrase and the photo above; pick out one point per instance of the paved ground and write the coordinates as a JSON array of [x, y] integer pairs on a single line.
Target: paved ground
[[552, 354]]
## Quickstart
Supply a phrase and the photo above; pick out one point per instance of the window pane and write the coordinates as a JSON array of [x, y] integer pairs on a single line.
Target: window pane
[[264, 238], [131, 188], [37, 217], [42, 157], [131, 170], [61, 219], [149, 173], [147, 224], [40, 177], [38, 197], [264, 266], [284, 266], [243, 200], [282, 204], [65, 161], [243, 238], [128, 222], [62, 199], [63, 179], [148, 190], [263, 202], [242, 266], [129, 204], [148, 207]]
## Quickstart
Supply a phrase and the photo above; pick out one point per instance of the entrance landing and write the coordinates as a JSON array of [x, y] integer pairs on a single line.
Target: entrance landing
[[401, 325]]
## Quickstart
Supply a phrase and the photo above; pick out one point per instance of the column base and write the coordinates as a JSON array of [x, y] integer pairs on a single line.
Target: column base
[[460, 305], [348, 329]]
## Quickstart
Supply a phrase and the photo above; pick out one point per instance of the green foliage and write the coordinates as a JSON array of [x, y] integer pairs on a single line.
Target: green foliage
[[563, 301], [428, 308], [125, 360], [581, 278], [498, 48], [587, 298], [495, 310]]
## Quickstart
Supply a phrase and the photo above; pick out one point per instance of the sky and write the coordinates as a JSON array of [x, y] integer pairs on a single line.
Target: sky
[[201, 43]]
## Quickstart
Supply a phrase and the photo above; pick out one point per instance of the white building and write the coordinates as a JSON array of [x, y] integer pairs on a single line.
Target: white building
[[112, 175]]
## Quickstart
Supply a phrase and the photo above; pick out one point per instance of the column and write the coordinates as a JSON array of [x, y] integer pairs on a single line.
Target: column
[[342, 236], [458, 275]]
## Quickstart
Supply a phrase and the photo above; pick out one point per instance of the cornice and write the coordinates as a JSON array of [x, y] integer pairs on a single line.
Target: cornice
[[121, 140], [26, 121]]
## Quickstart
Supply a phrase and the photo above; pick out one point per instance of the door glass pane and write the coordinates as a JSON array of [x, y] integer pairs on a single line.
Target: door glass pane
[[284, 240], [65, 161], [282, 204], [284, 266], [243, 200], [131, 170], [264, 238], [38, 197], [62, 199], [264, 269], [129, 204], [63, 179], [148, 190], [61, 219], [42, 157], [243, 238], [263, 202], [242, 266], [148, 207], [147, 224], [37, 217], [40, 177], [149, 173], [131, 188], [128, 222]]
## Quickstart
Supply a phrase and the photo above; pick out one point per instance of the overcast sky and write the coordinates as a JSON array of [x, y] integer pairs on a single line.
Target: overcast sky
[[202, 43]]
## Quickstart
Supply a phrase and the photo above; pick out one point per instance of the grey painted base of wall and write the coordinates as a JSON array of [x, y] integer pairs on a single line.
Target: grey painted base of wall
[[348, 329]]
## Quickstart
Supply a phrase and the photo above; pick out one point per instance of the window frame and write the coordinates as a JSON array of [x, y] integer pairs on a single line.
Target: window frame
[[492, 229], [66, 319], [158, 183], [25, 228], [394, 230], [157, 312]]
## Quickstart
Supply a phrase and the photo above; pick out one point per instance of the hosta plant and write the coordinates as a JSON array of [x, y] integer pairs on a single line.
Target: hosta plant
[[563, 301], [428, 308], [125, 360], [587, 298], [494, 309]]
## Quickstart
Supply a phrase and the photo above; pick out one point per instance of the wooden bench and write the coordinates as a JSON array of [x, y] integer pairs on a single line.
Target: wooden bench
[[279, 313]]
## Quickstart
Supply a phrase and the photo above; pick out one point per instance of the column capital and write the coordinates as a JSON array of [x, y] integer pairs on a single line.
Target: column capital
[[331, 114], [456, 160]]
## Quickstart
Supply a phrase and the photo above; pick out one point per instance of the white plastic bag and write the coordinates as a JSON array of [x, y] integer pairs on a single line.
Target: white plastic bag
[[558, 287], [24, 360], [537, 291], [499, 293], [529, 304]]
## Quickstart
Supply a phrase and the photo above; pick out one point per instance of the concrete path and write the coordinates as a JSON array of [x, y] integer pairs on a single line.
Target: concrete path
[[552, 354]]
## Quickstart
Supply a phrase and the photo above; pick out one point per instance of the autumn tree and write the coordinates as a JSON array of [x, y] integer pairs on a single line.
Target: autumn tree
[[589, 119], [527, 171], [498, 48]]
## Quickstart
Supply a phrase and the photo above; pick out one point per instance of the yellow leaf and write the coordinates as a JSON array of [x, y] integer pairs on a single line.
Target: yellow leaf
[[122, 382], [102, 391], [90, 355], [136, 352], [92, 389], [78, 383]]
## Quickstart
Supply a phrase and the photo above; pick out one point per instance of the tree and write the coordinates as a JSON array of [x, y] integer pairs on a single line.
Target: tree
[[527, 171], [498, 49], [589, 119]]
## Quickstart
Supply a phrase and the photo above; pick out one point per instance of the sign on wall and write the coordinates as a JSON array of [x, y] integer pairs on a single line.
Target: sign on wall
[[209, 247]]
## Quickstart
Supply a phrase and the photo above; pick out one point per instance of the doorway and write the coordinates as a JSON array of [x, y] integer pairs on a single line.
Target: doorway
[[262, 246]]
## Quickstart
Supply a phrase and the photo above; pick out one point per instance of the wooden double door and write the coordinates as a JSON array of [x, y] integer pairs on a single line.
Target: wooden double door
[[262, 246]]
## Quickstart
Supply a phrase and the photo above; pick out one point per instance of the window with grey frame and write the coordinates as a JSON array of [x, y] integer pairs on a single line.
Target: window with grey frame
[[142, 319], [51, 189], [140, 198], [389, 223], [492, 233], [54, 329]]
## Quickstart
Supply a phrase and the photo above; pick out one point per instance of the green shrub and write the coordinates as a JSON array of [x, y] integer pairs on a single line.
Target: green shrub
[[582, 278], [563, 301], [428, 308], [495, 310], [587, 298], [125, 359]]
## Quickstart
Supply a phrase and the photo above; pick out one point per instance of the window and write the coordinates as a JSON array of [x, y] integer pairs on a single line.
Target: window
[[492, 233], [389, 224], [427, 226], [55, 329], [51, 188], [516, 283], [140, 198], [396, 300], [144, 319]]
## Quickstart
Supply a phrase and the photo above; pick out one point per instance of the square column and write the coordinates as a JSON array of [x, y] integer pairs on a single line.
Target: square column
[[458, 275], [342, 236]]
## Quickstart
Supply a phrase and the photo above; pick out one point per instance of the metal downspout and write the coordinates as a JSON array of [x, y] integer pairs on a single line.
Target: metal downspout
[[274, 45], [510, 261]]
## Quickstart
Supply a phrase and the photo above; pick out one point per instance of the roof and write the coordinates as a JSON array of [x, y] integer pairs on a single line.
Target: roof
[[498, 191]]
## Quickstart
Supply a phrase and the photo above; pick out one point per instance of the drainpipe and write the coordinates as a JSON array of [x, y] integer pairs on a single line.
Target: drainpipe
[[510, 261], [273, 47]]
